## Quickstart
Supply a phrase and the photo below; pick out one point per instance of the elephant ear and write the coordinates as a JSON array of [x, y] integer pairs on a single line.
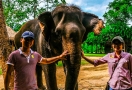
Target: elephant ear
[[47, 20], [89, 21]]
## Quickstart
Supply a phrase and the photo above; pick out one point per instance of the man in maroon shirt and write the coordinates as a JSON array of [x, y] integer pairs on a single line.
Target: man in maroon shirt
[[24, 62], [119, 65]]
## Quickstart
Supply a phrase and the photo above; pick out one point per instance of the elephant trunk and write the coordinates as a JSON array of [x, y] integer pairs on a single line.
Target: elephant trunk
[[72, 65], [71, 41]]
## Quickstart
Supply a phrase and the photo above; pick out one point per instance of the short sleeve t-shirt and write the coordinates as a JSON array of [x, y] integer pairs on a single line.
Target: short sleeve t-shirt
[[119, 68], [25, 69]]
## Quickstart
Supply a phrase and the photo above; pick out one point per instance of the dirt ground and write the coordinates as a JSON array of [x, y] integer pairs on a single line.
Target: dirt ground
[[90, 77]]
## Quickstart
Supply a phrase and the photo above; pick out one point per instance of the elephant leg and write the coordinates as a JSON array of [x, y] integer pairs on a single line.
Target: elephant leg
[[64, 67], [39, 78], [72, 68], [71, 78], [50, 76]]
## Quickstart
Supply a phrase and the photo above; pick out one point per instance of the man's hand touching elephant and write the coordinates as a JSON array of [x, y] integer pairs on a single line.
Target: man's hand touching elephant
[[54, 59], [63, 55]]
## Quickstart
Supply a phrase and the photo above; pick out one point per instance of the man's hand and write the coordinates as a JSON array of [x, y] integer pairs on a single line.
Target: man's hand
[[62, 56]]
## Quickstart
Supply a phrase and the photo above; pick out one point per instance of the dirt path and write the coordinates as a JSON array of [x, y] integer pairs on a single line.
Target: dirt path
[[90, 77], [1, 82]]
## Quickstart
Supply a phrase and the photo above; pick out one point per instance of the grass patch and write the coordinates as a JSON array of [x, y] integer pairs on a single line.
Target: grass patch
[[83, 62], [95, 55], [59, 64], [0, 71]]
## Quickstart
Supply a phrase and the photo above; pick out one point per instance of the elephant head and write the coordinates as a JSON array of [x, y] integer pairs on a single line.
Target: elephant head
[[66, 20], [65, 28]]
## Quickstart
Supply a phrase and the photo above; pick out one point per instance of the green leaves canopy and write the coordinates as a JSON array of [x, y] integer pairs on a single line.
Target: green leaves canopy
[[117, 22], [17, 12]]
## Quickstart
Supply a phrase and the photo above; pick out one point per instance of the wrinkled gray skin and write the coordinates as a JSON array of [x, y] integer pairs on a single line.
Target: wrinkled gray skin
[[65, 28]]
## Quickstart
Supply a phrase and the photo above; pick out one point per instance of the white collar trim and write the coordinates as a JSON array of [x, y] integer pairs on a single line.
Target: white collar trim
[[22, 52]]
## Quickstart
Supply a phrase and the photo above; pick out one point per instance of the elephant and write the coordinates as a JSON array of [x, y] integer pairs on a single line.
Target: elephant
[[64, 28]]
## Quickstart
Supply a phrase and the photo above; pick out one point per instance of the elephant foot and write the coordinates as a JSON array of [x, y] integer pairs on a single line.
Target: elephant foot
[[42, 88]]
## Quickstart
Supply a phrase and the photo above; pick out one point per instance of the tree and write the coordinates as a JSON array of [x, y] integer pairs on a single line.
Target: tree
[[117, 18], [5, 48], [19, 11]]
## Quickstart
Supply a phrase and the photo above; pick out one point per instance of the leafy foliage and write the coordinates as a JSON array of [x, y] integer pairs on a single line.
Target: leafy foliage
[[17, 12], [117, 22]]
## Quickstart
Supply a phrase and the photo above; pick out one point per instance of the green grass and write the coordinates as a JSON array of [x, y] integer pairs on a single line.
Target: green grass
[[83, 62], [0, 71], [94, 55], [59, 64]]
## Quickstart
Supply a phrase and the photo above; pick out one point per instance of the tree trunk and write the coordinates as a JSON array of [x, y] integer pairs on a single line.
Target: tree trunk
[[5, 47]]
